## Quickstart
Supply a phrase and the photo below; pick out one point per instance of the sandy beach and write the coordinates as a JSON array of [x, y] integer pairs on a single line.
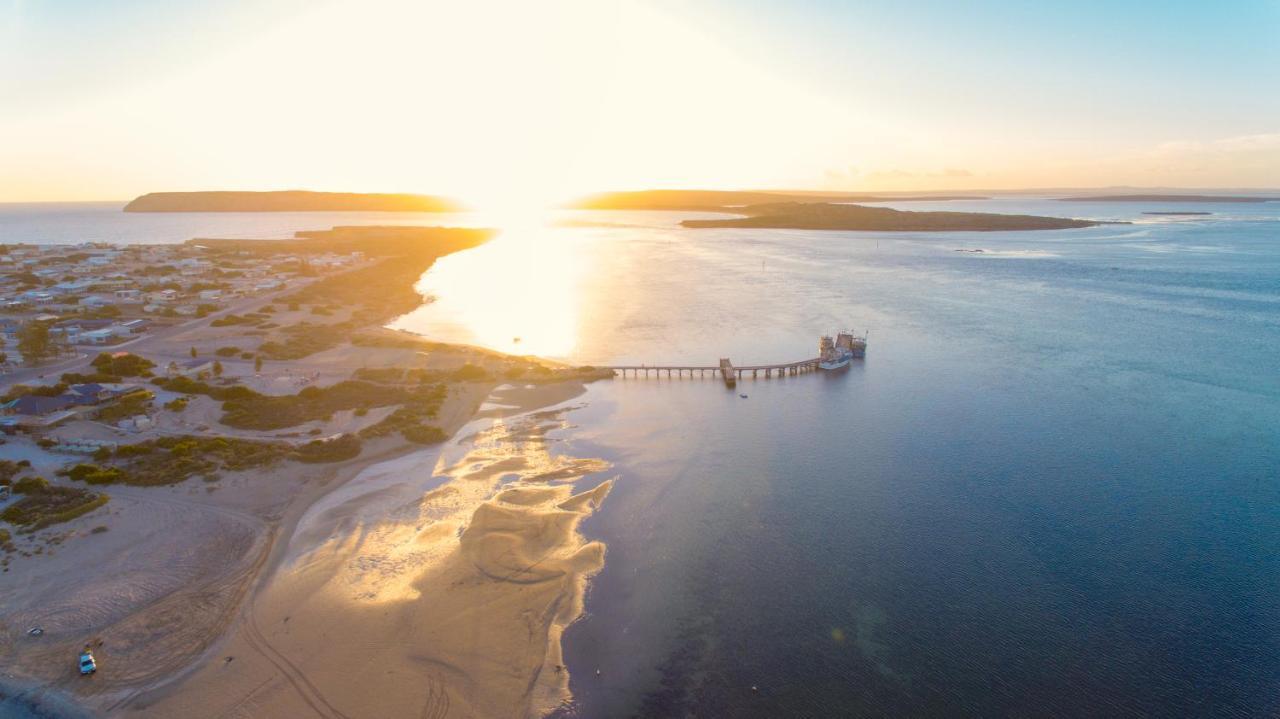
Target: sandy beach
[[402, 582], [433, 584]]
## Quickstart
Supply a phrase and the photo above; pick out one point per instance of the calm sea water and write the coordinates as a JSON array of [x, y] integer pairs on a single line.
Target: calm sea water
[[1052, 487]]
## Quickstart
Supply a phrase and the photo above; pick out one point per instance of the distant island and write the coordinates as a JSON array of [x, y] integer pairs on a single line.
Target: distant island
[[732, 200], [826, 216], [1174, 212], [1168, 198], [289, 201]]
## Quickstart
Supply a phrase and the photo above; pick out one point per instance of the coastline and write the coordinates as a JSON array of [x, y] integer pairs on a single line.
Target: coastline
[[392, 551]]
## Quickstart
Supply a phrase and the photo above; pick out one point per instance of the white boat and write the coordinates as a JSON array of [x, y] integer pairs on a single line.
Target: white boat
[[837, 353]]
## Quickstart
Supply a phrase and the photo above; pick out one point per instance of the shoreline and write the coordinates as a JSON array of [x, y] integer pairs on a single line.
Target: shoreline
[[288, 584], [487, 403]]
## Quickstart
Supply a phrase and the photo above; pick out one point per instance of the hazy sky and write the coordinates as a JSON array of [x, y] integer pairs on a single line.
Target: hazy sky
[[496, 100]]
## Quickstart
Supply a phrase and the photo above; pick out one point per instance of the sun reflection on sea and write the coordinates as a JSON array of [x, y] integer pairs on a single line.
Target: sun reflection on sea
[[516, 294]]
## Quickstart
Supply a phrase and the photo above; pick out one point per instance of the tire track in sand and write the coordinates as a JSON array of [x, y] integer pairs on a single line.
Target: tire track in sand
[[292, 674]]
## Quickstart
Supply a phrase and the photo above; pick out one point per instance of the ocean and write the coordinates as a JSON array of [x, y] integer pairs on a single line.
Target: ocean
[[1052, 488]]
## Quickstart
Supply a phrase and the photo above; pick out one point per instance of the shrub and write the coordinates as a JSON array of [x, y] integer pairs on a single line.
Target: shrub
[[229, 351], [130, 406], [126, 365], [340, 449], [424, 434], [470, 373], [94, 474], [51, 506], [315, 403], [31, 485]]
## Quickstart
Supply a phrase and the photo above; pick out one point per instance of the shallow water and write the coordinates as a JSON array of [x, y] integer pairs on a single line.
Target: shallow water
[[1051, 487]]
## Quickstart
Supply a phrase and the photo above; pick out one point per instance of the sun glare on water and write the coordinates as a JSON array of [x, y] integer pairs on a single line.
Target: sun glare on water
[[518, 293]]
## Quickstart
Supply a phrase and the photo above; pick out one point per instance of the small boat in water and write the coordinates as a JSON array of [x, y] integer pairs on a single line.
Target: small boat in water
[[837, 353]]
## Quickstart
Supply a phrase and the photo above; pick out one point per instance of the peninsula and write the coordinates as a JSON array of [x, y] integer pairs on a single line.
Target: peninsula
[[732, 200], [828, 216], [1169, 198], [289, 201]]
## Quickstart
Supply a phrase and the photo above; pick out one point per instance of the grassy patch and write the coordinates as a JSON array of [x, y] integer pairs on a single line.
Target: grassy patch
[[52, 505], [316, 403]]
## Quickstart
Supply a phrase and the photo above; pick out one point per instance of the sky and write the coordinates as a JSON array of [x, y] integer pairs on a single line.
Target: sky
[[507, 101]]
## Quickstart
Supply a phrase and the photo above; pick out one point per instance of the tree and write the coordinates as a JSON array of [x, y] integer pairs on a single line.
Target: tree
[[257, 363], [217, 368], [4, 358], [34, 342], [194, 353]]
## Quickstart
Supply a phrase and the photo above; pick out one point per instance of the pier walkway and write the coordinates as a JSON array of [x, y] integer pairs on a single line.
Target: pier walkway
[[725, 370]]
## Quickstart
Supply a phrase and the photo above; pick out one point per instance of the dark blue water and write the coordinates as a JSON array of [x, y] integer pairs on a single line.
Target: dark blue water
[[1051, 489]]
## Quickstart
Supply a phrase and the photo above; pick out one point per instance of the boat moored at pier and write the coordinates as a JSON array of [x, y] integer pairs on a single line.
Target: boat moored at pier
[[834, 354]]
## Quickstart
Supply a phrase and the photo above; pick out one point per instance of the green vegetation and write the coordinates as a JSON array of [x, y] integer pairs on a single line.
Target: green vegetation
[[339, 449], [8, 470], [128, 406], [424, 434], [169, 460], [315, 403], [227, 351], [234, 319], [408, 418], [93, 474], [126, 364], [375, 294], [30, 485], [48, 505], [34, 342], [186, 385], [176, 405]]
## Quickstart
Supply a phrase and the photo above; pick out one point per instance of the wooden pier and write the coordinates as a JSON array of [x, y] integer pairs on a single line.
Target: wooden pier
[[725, 370]]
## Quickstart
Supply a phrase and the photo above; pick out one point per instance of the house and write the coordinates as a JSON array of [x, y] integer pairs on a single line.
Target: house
[[162, 296], [36, 405], [210, 294], [96, 337], [136, 326], [128, 295], [90, 393], [94, 301], [186, 309]]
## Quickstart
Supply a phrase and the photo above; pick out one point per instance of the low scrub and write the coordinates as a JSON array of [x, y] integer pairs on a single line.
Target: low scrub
[[52, 505], [338, 449], [316, 403], [126, 364], [169, 460]]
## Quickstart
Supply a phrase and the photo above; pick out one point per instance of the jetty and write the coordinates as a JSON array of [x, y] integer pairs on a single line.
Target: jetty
[[726, 370]]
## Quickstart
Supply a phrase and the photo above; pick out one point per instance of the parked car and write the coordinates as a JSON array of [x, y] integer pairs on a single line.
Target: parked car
[[87, 663]]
